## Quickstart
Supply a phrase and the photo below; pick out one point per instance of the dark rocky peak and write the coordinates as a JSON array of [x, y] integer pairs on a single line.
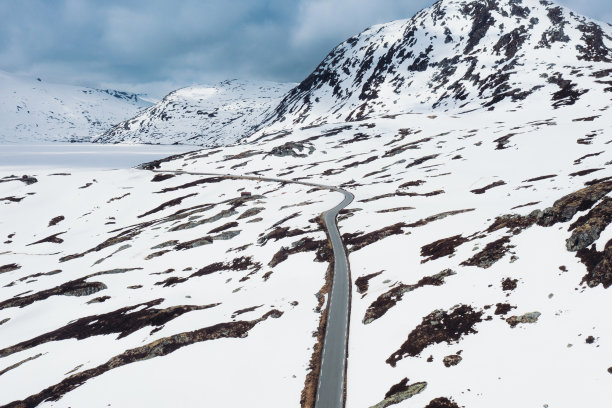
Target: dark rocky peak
[[457, 55]]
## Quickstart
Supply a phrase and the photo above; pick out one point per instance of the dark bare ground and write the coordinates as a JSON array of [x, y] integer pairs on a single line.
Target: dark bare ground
[[437, 327], [390, 298], [442, 247], [362, 282], [442, 402], [9, 267], [124, 321], [482, 190], [491, 253]]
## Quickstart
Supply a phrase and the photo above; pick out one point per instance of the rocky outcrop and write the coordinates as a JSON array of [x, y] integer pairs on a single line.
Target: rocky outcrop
[[587, 228], [531, 317], [401, 392], [438, 327]]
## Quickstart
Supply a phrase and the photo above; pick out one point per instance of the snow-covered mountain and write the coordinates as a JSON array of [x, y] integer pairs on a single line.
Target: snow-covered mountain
[[32, 110], [201, 115], [457, 56]]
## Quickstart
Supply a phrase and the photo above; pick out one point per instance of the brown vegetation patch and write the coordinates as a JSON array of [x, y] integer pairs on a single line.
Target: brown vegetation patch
[[322, 248], [362, 282], [52, 239], [442, 247], [421, 160], [167, 204], [157, 348], [482, 190], [540, 178], [514, 223], [12, 199], [415, 183], [237, 264], [598, 265], [251, 212], [437, 327], [451, 360], [389, 299], [161, 177], [585, 172], [192, 184], [245, 310], [9, 268], [437, 217], [280, 233], [124, 321], [392, 210], [357, 240], [492, 252], [526, 205], [223, 227], [56, 220], [442, 402], [73, 288], [503, 308]]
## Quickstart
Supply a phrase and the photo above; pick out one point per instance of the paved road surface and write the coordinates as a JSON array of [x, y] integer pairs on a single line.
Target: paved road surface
[[330, 389]]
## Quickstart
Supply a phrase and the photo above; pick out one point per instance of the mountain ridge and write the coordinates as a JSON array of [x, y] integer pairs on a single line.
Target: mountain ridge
[[455, 56]]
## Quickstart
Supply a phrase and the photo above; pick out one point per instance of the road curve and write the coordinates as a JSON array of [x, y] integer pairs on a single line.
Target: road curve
[[330, 388]]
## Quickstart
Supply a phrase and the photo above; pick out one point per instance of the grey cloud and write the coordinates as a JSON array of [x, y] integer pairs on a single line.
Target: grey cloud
[[177, 43]]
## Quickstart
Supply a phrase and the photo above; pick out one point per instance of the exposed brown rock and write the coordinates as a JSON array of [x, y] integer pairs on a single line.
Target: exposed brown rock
[[531, 317], [565, 208], [437, 327], [587, 228]]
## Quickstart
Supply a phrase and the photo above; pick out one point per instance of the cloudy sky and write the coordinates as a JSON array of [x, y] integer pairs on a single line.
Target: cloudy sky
[[159, 45]]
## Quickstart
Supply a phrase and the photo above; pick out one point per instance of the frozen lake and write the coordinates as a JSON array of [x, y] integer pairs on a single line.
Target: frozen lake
[[82, 155]]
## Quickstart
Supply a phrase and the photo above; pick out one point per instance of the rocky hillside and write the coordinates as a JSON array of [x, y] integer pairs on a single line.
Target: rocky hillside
[[456, 56], [32, 110], [198, 115]]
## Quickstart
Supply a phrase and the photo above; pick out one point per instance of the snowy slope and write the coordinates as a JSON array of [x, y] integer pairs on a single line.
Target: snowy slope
[[199, 115], [479, 242], [35, 111], [457, 56]]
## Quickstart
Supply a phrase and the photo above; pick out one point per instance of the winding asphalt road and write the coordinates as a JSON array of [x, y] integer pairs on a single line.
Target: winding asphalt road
[[330, 389]]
